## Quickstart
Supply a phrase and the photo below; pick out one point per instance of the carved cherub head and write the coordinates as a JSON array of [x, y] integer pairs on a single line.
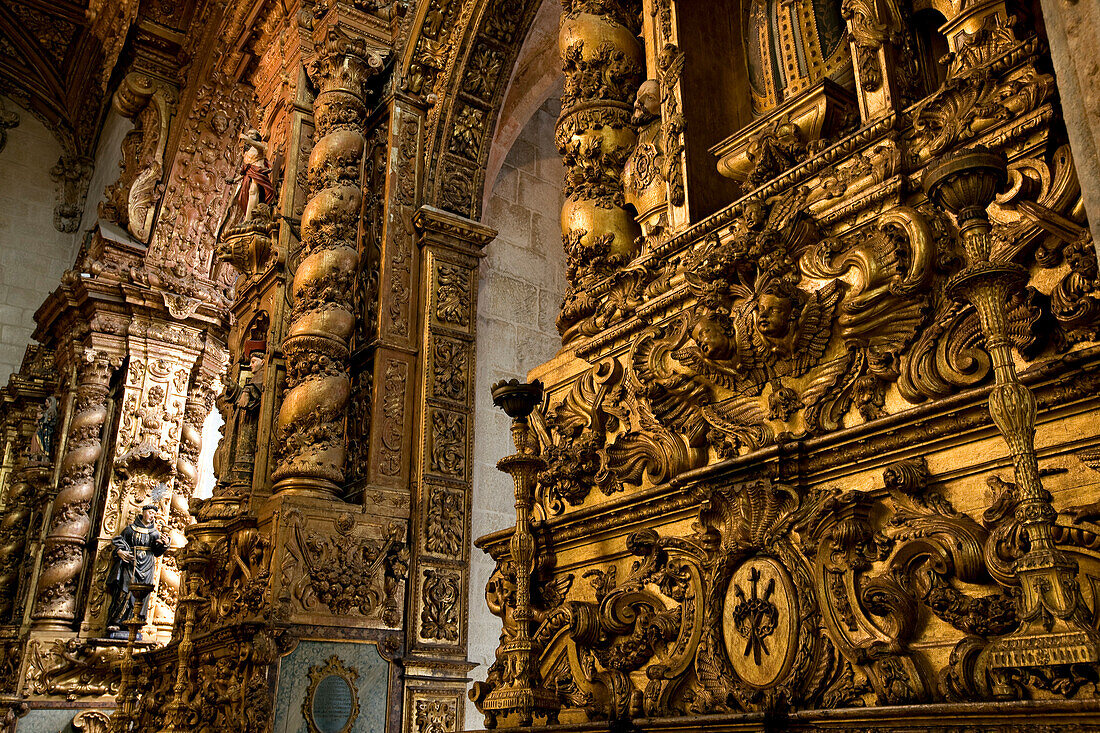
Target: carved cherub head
[[778, 306], [219, 123], [647, 103], [711, 336], [755, 214]]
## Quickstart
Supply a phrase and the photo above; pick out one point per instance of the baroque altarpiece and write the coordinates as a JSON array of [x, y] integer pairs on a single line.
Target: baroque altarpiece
[[820, 449]]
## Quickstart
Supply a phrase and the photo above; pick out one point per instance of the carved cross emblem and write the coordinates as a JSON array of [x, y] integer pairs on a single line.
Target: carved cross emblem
[[755, 617]]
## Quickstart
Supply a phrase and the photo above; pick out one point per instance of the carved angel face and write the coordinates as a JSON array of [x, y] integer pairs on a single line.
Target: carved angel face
[[773, 315], [711, 338], [219, 123]]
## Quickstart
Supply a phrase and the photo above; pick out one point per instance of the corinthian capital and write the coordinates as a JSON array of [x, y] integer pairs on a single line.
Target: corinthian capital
[[345, 64]]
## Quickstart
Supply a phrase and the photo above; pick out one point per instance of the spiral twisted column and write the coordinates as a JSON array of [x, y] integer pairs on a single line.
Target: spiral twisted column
[[65, 550], [27, 480], [311, 423], [604, 64]]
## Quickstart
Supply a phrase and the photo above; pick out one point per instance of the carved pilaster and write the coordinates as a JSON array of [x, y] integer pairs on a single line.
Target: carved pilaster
[[196, 194], [311, 422], [394, 367], [439, 572], [64, 553]]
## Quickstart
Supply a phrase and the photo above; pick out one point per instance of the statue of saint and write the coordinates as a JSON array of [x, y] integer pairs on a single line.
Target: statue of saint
[[253, 182], [240, 404], [136, 550], [643, 177], [44, 430]]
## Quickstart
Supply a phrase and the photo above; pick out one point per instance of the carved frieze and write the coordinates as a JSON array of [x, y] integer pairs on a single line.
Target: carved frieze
[[72, 668]]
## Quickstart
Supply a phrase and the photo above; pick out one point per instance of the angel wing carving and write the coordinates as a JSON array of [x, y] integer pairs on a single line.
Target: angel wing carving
[[815, 327]]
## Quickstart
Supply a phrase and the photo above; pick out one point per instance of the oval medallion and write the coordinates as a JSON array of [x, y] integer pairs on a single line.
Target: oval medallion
[[760, 622], [333, 704]]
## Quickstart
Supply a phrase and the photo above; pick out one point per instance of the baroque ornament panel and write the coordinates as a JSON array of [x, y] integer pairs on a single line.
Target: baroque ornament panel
[[810, 453]]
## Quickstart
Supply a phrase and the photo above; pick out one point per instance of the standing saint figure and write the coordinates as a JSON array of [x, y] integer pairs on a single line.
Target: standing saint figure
[[136, 550], [44, 429], [253, 182]]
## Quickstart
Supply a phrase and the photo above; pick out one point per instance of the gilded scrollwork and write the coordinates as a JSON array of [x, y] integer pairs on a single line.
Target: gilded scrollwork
[[72, 668], [346, 575], [435, 716]]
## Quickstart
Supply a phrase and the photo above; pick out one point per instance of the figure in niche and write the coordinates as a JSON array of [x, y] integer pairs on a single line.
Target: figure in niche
[[151, 417], [136, 551], [44, 430], [240, 403], [253, 181], [642, 178]]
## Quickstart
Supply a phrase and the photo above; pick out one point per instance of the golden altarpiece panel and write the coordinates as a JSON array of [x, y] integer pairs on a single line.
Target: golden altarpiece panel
[[820, 450]]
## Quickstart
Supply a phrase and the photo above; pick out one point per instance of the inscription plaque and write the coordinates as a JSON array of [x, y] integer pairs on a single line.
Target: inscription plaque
[[332, 701], [332, 704]]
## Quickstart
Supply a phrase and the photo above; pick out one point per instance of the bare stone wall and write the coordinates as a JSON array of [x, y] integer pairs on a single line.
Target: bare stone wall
[[522, 282], [33, 254]]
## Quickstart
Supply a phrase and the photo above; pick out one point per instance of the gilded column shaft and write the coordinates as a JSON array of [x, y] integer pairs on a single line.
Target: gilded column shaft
[[603, 64], [13, 533], [311, 422], [64, 553]]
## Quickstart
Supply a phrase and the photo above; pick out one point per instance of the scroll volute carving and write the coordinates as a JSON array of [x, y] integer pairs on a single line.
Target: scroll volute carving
[[882, 579], [790, 329], [131, 200]]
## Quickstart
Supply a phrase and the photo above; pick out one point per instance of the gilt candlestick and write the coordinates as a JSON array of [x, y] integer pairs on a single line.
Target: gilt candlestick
[[521, 693], [1054, 627]]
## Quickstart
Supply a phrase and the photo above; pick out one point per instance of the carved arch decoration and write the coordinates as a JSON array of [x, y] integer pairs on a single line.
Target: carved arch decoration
[[459, 59]]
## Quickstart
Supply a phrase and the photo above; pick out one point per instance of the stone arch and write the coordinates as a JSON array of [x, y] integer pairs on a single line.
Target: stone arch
[[459, 60]]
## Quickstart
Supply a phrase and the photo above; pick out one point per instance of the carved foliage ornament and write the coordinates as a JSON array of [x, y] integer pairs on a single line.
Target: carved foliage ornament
[[346, 575], [781, 601]]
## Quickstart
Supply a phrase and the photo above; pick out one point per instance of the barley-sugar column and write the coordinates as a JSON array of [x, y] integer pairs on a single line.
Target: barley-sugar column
[[66, 547], [311, 424], [603, 64]]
